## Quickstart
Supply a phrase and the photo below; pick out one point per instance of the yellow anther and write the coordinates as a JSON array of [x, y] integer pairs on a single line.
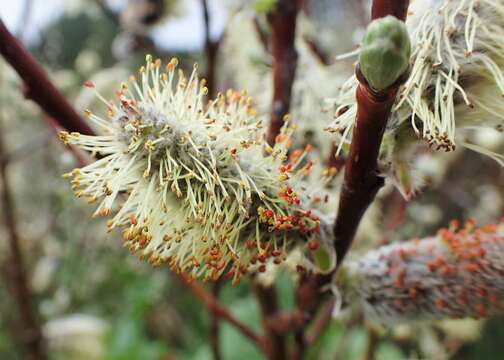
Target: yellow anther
[[172, 64]]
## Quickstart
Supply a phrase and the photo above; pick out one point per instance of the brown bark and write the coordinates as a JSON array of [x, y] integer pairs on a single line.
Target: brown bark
[[309, 297], [275, 346], [283, 30], [382, 8], [211, 50], [361, 181], [213, 334]]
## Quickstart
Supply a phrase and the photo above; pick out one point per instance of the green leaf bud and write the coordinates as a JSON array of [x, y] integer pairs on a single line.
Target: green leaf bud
[[385, 52]]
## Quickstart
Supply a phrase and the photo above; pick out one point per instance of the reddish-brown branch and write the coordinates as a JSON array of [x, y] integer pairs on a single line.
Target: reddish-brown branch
[[320, 323], [323, 57], [361, 181], [211, 50], [275, 345], [211, 302], [213, 333], [261, 34], [309, 297], [382, 8], [283, 30], [31, 334], [39, 88]]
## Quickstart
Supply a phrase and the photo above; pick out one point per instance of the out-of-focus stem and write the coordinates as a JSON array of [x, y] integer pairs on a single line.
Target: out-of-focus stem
[[211, 302], [31, 334], [213, 334], [321, 322], [211, 50], [282, 21], [275, 345], [38, 86]]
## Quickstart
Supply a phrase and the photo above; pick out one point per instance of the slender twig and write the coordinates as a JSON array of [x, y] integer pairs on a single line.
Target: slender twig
[[211, 302], [211, 50], [261, 34], [39, 88], [276, 348], [322, 56], [309, 297], [282, 21], [213, 334], [320, 323], [361, 181], [373, 343], [31, 334]]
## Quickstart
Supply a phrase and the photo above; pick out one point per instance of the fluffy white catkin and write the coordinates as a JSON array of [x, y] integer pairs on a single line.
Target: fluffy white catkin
[[198, 192]]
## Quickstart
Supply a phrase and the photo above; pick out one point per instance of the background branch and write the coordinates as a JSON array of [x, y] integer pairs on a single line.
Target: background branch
[[213, 334], [214, 306], [211, 50], [31, 334], [275, 345], [320, 323], [38, 86], [282, 21]]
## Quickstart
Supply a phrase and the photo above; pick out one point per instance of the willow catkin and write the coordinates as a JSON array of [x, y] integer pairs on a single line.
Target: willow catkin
[[199, 194], [454, 274]]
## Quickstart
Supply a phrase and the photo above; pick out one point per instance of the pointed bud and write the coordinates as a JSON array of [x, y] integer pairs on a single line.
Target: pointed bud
[[385, 52]]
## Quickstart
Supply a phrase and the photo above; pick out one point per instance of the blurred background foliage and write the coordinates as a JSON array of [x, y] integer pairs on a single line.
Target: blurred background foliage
[[97, 302]]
